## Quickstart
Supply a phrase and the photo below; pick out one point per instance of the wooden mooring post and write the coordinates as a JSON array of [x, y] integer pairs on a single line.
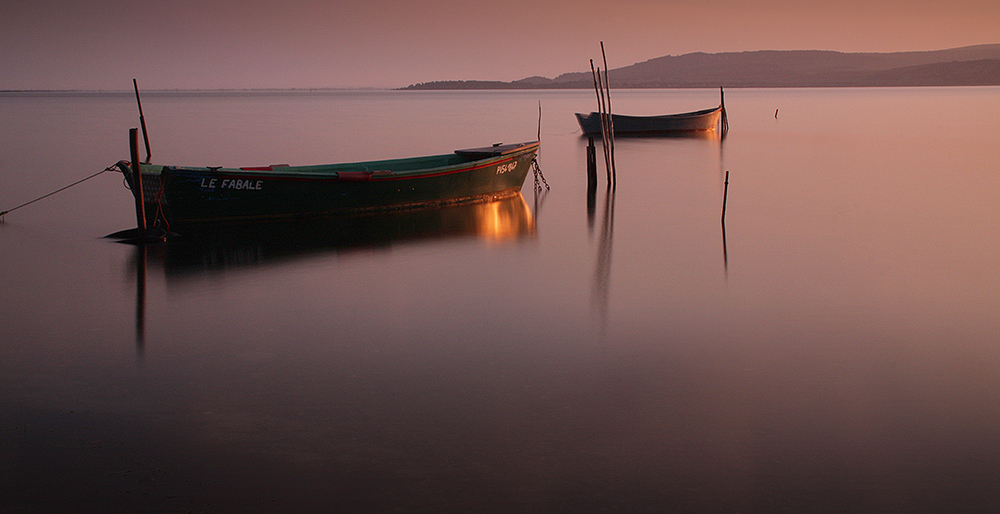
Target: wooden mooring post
[[591, 163], [140, 206], [602, 87], [725, 248], [725, 196]]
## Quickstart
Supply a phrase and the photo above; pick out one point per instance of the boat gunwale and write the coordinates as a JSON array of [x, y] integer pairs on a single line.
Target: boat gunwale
[[322, 172]]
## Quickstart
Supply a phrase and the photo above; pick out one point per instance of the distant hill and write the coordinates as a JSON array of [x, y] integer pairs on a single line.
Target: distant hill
[[967, 66]]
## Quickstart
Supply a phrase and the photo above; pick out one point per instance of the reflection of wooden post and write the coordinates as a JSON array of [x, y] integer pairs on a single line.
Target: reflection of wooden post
[[140, 299], [591, 163], [591, 182], [140, 207]]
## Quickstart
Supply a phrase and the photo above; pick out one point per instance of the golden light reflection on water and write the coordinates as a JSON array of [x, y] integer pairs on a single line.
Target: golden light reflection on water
[[504, 220]]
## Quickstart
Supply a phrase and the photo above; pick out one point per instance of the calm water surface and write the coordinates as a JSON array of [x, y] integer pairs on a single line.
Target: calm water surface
[[832, 347]]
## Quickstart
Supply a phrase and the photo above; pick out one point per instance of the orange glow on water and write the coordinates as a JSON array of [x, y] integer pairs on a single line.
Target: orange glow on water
[[504, 220]]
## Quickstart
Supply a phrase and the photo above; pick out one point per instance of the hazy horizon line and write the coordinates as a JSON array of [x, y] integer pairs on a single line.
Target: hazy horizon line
[[394, 88]]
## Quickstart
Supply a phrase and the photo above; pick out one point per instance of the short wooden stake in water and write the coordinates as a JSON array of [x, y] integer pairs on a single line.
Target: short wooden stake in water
[[725, 195], [140, 208], [725, 250]]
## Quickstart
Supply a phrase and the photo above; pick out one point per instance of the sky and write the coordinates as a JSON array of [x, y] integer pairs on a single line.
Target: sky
[[208, 44]]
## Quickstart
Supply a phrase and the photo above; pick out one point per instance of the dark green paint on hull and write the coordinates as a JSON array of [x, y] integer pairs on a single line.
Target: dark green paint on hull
[[187, 196]]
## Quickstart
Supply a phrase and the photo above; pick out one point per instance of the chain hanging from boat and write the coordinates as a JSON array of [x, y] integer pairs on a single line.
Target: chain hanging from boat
[[539, 177]]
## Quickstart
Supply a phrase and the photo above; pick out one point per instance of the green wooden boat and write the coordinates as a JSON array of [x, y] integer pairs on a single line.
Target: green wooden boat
[[181, 196]]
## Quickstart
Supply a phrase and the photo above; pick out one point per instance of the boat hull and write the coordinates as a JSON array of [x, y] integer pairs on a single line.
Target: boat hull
[[697, 121], [193, 196]]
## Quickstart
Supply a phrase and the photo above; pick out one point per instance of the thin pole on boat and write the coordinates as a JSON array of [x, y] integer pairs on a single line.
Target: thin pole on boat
[[611, 120], [539, 121], [142, 119], [722, 104], [140, 209]]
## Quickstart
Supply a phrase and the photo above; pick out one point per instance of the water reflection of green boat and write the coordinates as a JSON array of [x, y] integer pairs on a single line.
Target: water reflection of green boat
[[179, 196], [234, 246]]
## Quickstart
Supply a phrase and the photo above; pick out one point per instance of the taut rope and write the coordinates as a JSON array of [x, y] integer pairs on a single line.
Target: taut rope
[[113, 167]]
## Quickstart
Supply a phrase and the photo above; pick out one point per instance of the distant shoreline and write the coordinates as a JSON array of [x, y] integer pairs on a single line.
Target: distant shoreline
[[765, 69], [968, 66]]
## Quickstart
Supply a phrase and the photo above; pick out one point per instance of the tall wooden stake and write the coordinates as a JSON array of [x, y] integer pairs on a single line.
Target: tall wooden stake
[[605, 125], [142, 120], [140, 207], [600, 108], [611, 120]]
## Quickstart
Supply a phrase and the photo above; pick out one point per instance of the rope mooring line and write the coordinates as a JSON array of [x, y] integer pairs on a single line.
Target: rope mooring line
[[113, 167]]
